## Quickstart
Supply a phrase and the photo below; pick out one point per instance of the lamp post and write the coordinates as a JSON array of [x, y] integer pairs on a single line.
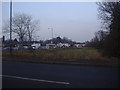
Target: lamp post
[[11, 27]]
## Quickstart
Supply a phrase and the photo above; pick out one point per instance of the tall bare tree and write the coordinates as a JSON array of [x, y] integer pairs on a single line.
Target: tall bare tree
[[109, 12], [23, 26], [32, 26]]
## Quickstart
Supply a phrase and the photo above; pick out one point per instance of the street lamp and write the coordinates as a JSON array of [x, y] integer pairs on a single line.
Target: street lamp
[[11, 27]]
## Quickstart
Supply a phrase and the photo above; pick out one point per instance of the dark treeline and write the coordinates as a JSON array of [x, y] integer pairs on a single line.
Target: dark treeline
[[108, 39], [43, 43], [98, 41], [60, 40]]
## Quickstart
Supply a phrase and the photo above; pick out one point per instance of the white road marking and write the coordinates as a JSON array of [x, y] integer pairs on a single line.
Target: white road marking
[[35, 79]]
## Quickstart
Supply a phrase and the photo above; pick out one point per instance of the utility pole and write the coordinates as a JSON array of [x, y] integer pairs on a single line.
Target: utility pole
[[11, 27]]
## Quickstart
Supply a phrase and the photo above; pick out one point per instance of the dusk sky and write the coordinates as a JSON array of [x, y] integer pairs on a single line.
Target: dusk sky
[[75, 20]]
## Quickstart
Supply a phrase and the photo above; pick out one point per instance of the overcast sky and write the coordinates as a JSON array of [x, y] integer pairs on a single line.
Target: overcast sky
[[76, 20]]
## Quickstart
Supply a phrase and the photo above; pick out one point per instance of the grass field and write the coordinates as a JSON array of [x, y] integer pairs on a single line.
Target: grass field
[[60, 54]]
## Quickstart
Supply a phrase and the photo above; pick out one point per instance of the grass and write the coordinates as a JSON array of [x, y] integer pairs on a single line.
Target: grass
[[60, 54]]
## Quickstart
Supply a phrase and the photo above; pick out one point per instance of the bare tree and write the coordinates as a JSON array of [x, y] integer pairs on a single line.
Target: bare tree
[[19, 25], [32, 26], [23, 26], [101, 35], [109, 13]]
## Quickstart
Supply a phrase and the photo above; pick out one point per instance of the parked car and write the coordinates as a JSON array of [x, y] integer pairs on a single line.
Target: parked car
[[15, 48], [4, 48]]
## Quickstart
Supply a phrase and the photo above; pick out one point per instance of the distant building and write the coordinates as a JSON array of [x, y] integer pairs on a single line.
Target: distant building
[[51, 45], [79, 45], [66, 45], [63, 45], [59, 45], [36, 45]]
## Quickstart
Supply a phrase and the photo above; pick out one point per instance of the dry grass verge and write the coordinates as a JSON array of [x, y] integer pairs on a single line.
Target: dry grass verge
[[60, 54]]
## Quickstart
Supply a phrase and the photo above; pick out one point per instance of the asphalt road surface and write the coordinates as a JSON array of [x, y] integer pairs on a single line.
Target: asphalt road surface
[[31, 75]]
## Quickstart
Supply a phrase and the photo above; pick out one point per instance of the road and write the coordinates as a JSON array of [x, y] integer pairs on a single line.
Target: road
[[31, 75]]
